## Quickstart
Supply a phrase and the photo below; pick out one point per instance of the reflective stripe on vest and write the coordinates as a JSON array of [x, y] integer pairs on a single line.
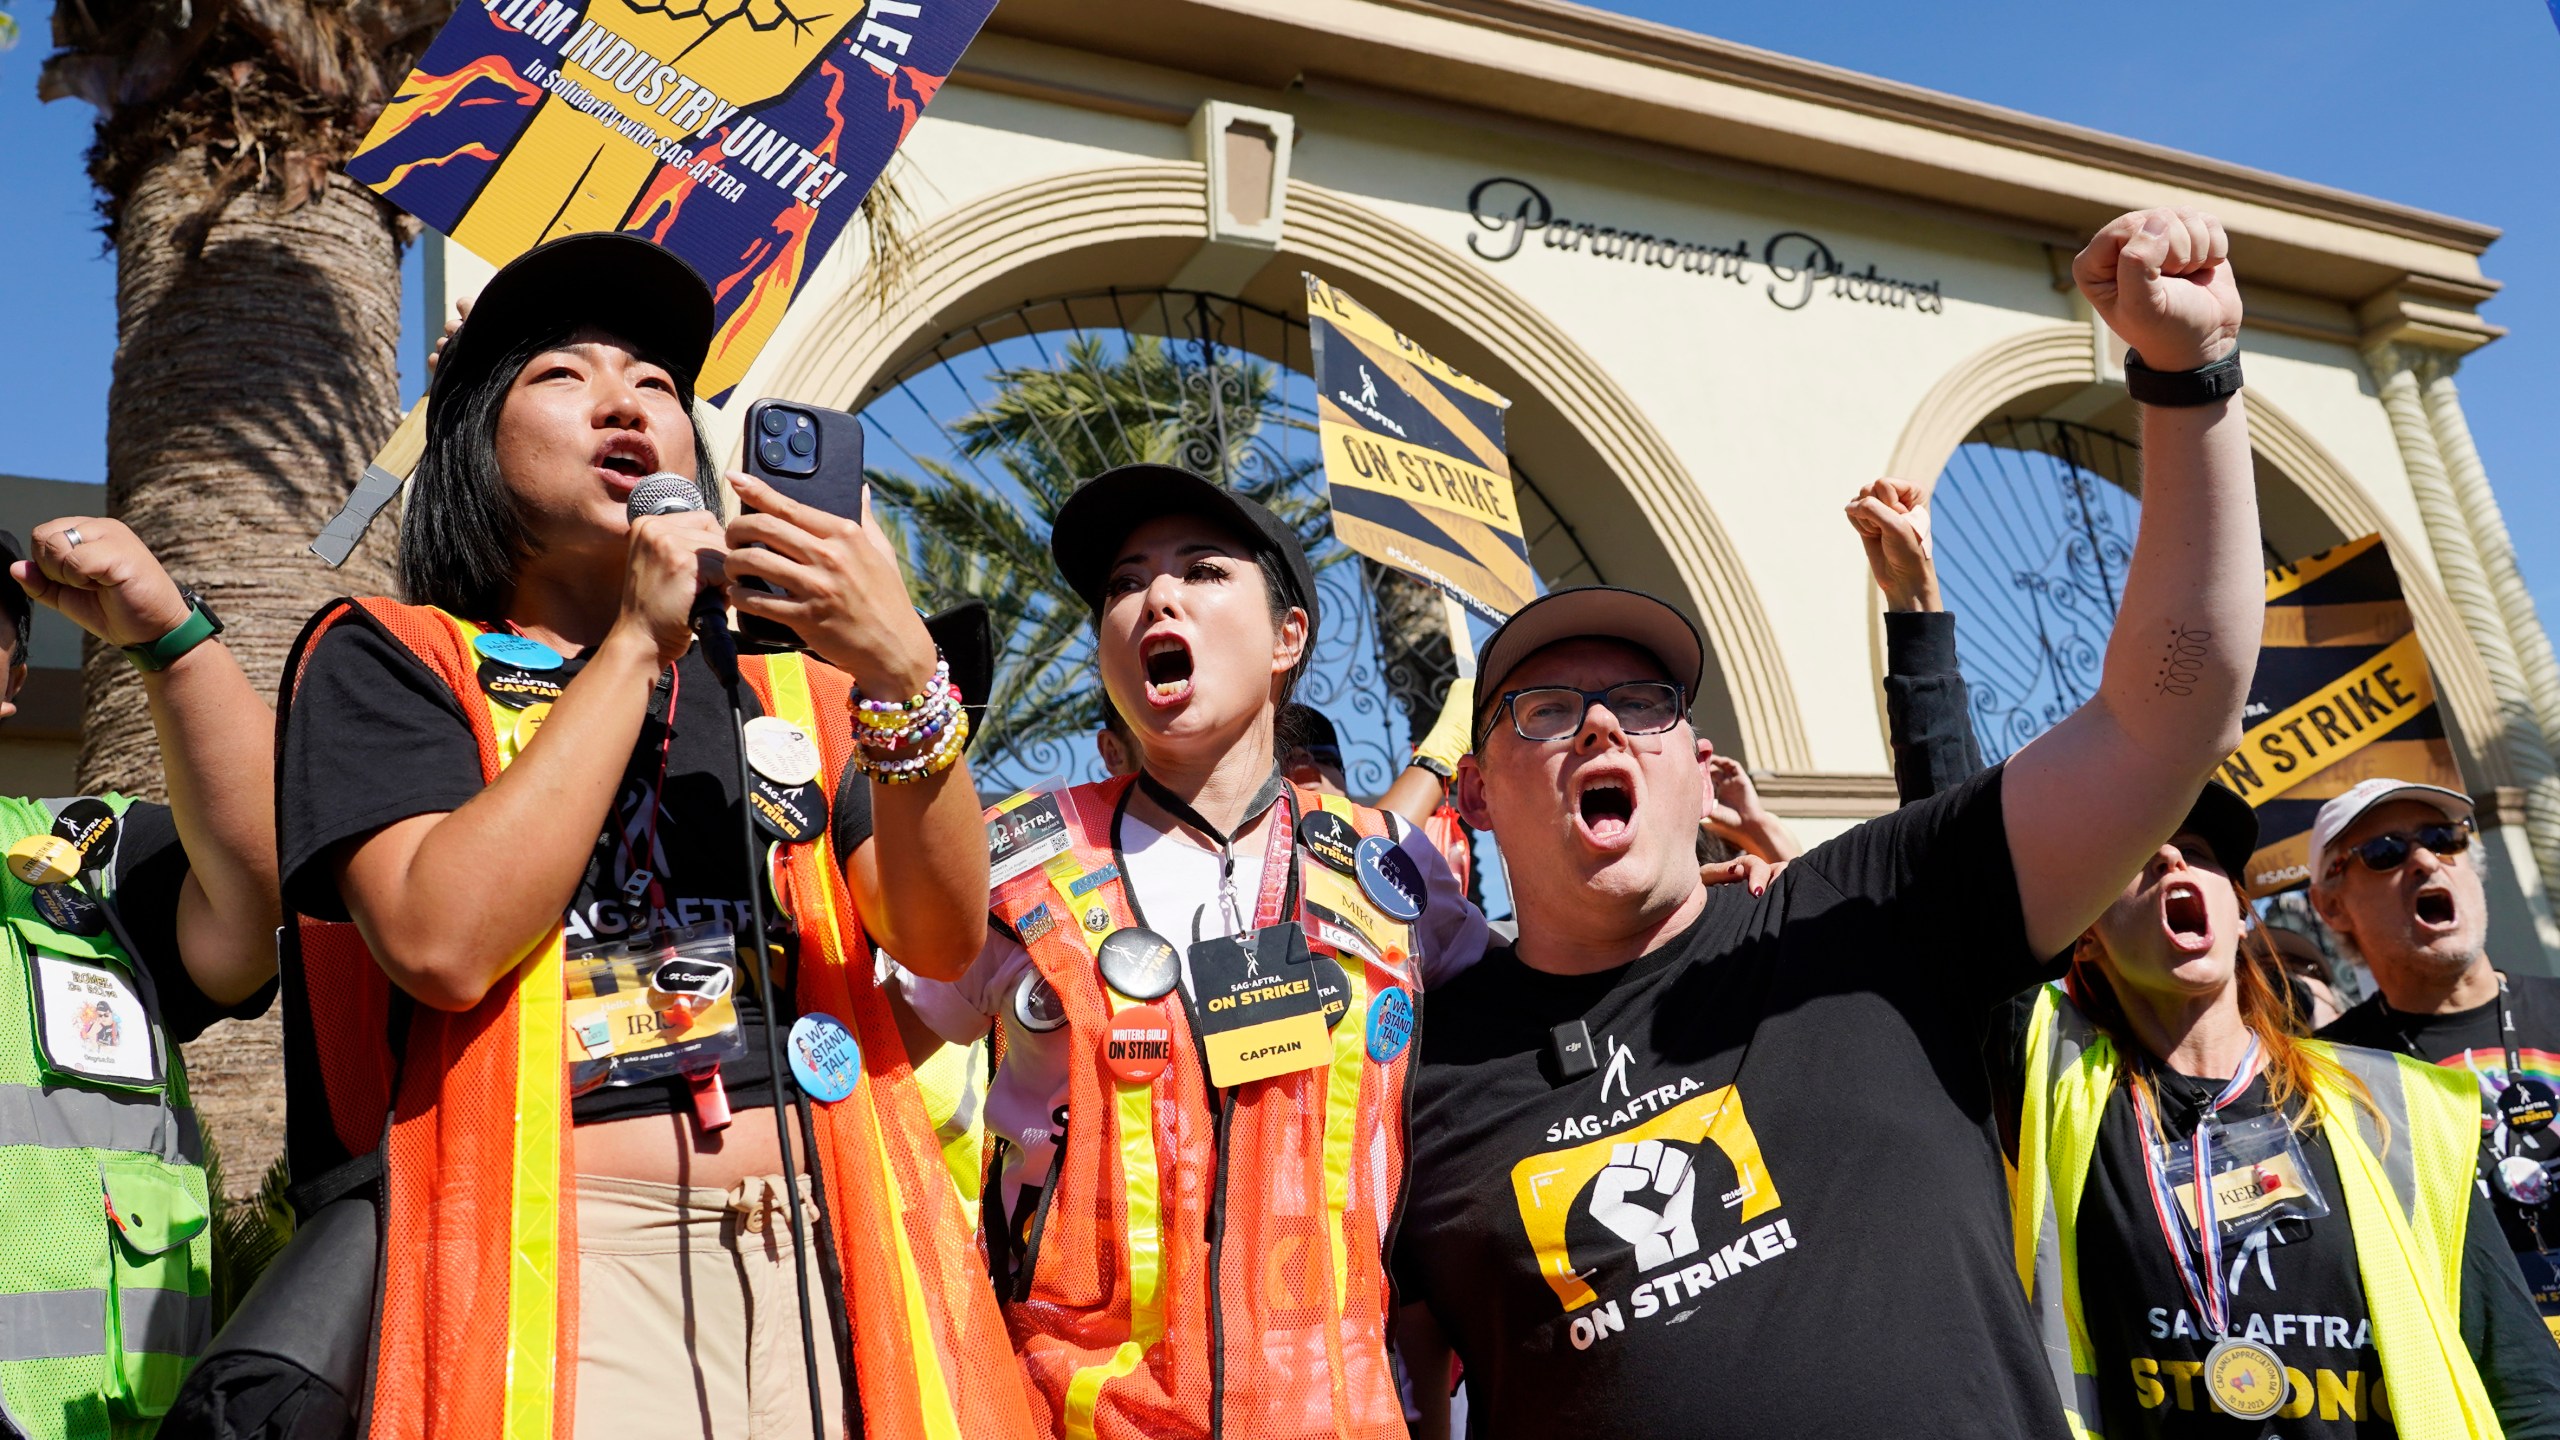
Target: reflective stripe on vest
[[1121, 1298], [66, 1324], [540, 1217], [930, 1348], [97, 1325], [2405, 1184]]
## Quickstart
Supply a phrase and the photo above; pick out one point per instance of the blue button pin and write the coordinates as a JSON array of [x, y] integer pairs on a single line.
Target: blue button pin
[[824, 1058], [1390, 1024], [1390, 878], [516, 650]]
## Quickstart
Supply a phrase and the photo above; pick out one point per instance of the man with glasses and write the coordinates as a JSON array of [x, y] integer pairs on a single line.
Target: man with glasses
[[1701, 1162], [2397, 879]]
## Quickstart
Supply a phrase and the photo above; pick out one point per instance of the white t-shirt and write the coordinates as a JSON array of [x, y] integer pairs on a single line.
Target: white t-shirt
[[1172, 877]]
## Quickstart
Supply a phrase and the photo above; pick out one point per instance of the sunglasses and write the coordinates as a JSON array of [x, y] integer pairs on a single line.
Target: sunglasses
[[1556, 712], [2385, 853]]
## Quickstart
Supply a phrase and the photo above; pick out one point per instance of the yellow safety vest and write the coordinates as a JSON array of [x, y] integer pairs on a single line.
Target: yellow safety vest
[[2406, 1185]]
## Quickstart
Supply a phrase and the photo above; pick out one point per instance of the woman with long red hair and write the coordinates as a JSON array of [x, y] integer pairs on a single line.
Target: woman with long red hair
[[2335, 1275]]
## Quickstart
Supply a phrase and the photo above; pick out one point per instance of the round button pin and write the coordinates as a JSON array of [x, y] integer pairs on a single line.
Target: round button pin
[[791, 814], [1037, 1006], [1330, 839], [1390, 1024], [1138, 1044], [781, 751], [69, 911], [1139, 963], [44, 860], [824, 1058], [1390, 878], [517, 688], [89, 824], [518, 651], [2527, 1105]]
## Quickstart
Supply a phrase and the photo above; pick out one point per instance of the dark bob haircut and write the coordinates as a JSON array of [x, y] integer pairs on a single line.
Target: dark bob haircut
[[464, 535]]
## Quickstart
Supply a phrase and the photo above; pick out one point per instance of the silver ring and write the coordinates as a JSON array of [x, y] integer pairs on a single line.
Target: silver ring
[[71, 538]]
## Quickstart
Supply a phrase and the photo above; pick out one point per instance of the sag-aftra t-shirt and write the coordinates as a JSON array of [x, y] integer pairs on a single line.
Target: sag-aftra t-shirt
[[1775, 1207]]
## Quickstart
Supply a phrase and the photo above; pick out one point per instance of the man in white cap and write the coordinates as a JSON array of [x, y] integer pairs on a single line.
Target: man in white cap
[[1698, 1162], [2395, 875]]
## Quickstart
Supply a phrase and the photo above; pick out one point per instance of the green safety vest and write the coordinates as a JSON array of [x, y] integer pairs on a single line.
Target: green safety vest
[[105, 1250], [2406, 1185]]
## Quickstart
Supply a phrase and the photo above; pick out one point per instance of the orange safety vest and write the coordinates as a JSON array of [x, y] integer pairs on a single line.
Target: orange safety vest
[[479, 1302], [1213, 1262]]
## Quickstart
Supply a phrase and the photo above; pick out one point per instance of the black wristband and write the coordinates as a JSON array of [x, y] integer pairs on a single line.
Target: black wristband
[[2201, 386], [1424, 762]]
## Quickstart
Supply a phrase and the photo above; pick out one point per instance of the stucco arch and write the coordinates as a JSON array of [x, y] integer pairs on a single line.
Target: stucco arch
[[2297, 476], [1601, 464]]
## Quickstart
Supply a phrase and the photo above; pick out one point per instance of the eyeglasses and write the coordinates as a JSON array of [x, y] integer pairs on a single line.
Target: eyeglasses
[[1556, 712], [2385, 853]]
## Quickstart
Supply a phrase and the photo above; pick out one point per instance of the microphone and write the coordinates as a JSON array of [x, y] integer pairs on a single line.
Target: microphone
[[667, 493]]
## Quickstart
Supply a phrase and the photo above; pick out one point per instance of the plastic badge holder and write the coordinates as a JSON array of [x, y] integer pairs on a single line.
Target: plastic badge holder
[[2259, 1177], [626, 1029]]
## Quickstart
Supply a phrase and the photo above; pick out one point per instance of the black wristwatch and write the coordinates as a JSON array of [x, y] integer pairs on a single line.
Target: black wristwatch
[[200, 625], [2178, 388]]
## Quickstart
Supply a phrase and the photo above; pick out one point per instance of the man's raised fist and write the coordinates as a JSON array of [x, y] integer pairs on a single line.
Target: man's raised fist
[[2161, 279]]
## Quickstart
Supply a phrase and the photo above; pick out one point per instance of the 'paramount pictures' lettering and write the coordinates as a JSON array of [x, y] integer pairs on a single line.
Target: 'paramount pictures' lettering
[[1798, 266]]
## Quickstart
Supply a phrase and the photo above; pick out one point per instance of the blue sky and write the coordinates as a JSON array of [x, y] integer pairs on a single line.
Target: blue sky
[[2453, 108]]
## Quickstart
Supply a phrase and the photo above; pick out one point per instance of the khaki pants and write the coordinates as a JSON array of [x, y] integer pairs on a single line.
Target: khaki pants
[[689, 1318]]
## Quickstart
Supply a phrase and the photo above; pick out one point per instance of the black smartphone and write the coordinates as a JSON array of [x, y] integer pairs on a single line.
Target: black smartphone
[[814, 455]]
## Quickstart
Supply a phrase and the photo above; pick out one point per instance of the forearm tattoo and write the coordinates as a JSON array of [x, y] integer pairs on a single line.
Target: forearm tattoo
[[2182, 660]]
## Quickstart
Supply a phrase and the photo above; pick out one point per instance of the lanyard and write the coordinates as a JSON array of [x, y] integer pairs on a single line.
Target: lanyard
[[2507, 1032], [1278, 851], [640, 875], [2213, 1306]]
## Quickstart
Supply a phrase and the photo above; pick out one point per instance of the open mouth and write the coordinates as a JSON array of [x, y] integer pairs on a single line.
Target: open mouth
[[2184, 916], [1607, 808], [2436, 910], [628, 458], [1168, 664]]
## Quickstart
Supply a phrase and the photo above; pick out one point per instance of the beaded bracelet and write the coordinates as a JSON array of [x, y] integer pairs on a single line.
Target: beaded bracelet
[[919, 767], [897, 724]]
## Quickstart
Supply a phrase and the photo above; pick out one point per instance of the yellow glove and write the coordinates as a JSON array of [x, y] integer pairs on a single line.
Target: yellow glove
[[1440, 751]]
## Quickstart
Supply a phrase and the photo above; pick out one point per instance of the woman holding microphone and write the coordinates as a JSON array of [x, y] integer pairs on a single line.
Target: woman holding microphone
[[526, 968], [2336, 1275]]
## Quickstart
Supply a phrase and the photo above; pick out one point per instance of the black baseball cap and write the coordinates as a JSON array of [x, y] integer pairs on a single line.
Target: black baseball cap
[[1086, 537], [636, 288], [1595, 612], [2226, 823]]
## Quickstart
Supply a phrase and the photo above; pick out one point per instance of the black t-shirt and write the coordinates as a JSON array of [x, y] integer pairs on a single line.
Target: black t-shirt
[[376, 737], [1774, 1209], [2469, 1040], [150, 869]]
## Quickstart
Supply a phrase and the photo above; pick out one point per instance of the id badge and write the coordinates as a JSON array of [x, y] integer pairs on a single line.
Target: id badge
[[646, 1009], [2259, 1177], [91, 1023], [1255, 1003]]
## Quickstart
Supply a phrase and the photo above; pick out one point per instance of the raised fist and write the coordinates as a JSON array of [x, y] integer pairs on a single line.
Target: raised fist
[[2161, 279], [1892, 521], [1622, 1196]]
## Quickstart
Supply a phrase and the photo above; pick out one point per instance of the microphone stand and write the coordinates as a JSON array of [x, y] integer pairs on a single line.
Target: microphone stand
[[720, 650]]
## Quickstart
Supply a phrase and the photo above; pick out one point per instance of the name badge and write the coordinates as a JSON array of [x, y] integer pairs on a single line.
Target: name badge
[[1026, 837], [92, 1023], [1254, 1001]]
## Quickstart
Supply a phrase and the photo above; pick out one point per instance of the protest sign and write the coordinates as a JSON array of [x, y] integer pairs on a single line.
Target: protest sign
[[2342, 694], [1413, 460], [741, 134]]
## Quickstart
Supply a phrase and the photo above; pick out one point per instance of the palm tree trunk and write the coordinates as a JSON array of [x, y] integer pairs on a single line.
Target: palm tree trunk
[[255, 373]]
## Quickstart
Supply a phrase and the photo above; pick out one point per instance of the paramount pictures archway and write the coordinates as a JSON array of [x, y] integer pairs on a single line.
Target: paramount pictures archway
[[1011, 264]]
